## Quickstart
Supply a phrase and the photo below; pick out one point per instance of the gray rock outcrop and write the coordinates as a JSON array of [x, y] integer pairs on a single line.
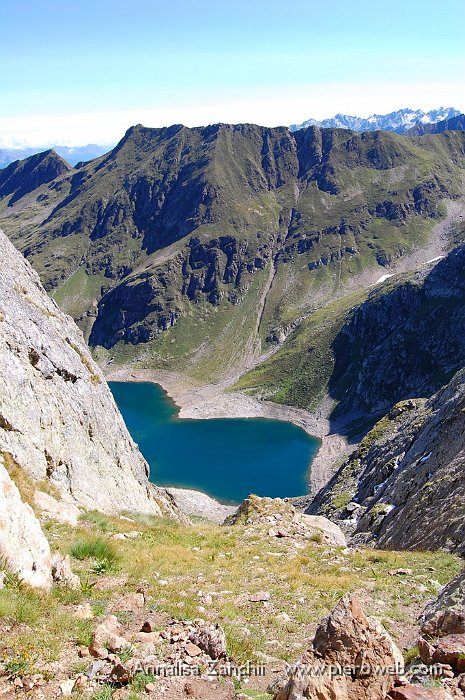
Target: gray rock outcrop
[[24, 549], [446, 613], [58, 419], [280, 519], [200, 505]]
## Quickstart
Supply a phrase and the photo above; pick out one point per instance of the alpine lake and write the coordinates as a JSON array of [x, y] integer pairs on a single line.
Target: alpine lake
[[227, 458]]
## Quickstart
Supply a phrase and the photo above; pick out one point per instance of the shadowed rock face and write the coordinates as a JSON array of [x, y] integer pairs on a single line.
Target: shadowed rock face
[[406, 340], [58, 419], [403, 487]]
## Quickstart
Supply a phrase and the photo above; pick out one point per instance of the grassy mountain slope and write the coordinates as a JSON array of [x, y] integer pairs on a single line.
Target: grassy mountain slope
[[371, 349], [198, 249]]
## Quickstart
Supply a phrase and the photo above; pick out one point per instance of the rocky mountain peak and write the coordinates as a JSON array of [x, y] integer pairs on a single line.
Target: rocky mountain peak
[[23, 176]]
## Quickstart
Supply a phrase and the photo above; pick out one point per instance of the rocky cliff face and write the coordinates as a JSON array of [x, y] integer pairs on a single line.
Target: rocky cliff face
[[403, 487], [58, 419], [406, 340]]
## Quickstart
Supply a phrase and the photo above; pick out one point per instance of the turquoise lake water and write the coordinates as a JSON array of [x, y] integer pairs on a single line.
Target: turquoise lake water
[[228, 458]]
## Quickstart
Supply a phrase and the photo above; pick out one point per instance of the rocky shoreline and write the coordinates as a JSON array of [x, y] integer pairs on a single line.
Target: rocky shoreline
[[214, 401]]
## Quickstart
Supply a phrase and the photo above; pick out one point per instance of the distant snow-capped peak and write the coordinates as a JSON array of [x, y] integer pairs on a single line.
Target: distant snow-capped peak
[[400, 121]]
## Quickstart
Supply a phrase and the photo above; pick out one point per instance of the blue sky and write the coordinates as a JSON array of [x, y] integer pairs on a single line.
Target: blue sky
[[77, 72]]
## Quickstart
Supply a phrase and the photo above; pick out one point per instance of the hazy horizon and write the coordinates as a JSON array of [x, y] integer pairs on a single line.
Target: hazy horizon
[[85, 75]]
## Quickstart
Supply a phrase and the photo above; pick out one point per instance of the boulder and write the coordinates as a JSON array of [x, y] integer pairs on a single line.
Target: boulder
[[50, 507], [446, 613], [200, 505], [150, 624], [124, 673], [209, 638], [132, 602], [319, 687], [192, 649], [425, 650], [348, 636], [451, 650], [66, 687], [259, 597], [62, 573], [445, 622], [108, 637], [347, 651], [331, 533], [84, 612]]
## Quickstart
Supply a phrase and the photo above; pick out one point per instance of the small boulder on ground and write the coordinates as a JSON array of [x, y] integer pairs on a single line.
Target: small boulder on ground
[[426, 651], [124, 673], [84, 612], [318, 524], [445, 622], [209, 638], [108, 637], [259, 597], [446, 613], [150, 623], [132, 602], [62, 573], [451, 650], [50, 507], [193, 649]]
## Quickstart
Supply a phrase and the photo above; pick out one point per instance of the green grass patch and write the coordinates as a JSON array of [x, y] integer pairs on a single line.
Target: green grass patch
[[101, 550]]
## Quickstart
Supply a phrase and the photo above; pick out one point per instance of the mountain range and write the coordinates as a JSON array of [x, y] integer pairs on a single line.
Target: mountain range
[[236, 252], [399, 121], [456, 123]]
